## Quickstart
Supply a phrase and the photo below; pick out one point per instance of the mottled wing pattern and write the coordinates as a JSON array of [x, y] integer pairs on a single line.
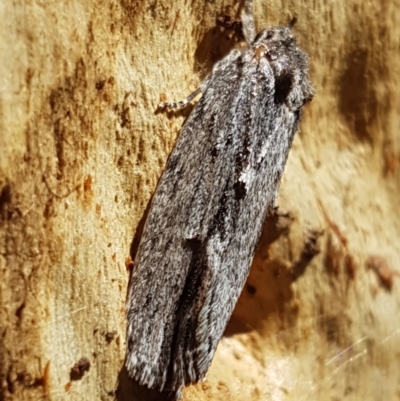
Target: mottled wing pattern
[[206, 218]]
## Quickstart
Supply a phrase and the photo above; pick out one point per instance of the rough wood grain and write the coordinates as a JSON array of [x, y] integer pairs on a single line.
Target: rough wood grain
[[81, 150]]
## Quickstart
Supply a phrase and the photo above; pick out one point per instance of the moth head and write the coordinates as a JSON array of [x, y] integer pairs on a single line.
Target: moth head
[[275, 36], [278, 46]]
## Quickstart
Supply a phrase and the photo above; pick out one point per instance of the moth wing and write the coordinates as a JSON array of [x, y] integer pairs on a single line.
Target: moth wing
[[204, 223]]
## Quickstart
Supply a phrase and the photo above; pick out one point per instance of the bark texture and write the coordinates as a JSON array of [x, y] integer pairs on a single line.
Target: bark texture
[[81, 150]]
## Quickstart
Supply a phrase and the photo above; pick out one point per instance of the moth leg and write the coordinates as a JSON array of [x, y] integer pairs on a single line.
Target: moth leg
[[249, 28], [180, 105]]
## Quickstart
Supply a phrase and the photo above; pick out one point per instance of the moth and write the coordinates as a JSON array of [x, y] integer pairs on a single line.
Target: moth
[[207, 213]]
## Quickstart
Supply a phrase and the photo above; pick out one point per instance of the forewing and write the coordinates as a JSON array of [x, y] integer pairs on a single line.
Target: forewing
[[164, 257], [204, 223]]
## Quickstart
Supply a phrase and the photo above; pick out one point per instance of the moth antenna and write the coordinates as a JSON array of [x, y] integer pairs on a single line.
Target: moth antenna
[[249, 28]]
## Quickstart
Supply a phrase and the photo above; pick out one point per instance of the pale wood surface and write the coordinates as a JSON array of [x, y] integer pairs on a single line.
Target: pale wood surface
[[81, 150]]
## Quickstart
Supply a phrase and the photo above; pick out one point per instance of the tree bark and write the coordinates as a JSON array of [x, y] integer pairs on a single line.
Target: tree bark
[[82, 148]]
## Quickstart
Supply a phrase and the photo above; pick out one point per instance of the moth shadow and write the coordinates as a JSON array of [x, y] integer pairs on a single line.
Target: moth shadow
[[216, 43], [139, 231], [129, 390], [268, 288]]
